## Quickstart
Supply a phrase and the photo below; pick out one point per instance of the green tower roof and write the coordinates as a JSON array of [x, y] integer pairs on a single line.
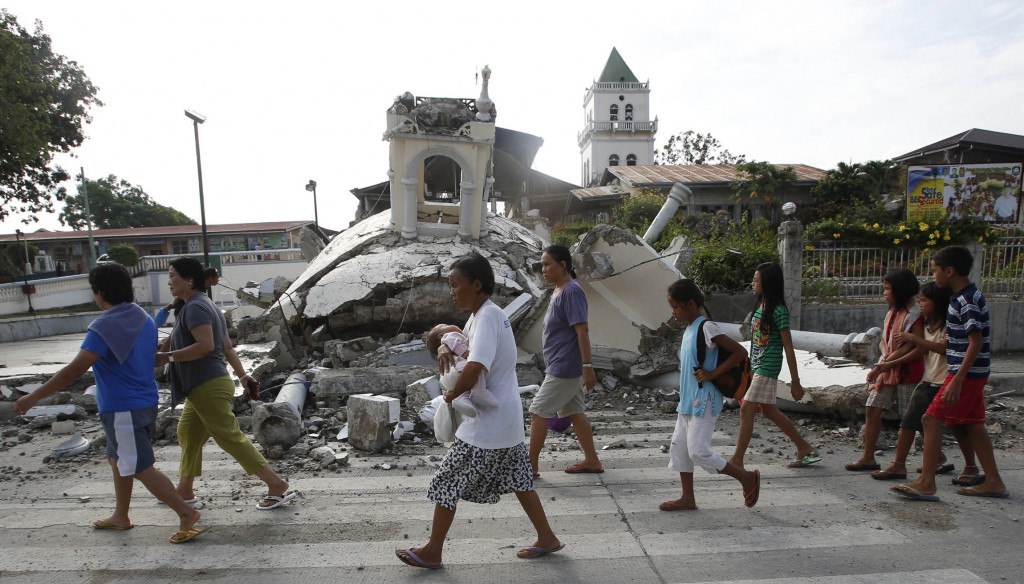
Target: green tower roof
[[616, 70]]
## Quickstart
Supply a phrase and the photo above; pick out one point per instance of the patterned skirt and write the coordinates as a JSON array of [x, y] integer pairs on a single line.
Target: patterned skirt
[[480, 475]]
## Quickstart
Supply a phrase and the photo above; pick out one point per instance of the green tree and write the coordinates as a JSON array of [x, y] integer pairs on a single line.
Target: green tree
[[116, 203], [124, 254], [12, 259], [689, 147], [762, 182], [638, 210], [881, 176], [45, 100]]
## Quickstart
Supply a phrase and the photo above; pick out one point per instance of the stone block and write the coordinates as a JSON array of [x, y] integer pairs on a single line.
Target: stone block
[[63, 427], [334, 385], [342, 352], [421, 391], [369, 421]]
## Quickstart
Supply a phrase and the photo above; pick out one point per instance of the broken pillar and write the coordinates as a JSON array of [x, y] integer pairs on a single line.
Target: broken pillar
[[369, 421], [280, 423], [334, 385], [421, 391]]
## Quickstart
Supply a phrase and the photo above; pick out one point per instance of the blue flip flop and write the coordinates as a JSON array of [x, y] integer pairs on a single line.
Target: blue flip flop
[[909, 492], [529, 553], [415, 561]]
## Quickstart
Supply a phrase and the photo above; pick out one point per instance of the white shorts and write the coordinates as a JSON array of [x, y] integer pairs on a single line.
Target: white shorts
[[691, 444]]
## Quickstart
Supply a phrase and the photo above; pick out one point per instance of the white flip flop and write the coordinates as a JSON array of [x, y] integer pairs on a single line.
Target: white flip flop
[[278, 501]]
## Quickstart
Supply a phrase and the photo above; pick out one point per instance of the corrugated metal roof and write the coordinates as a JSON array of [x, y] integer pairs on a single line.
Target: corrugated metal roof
[[696, 173], [974, 136], [594, 193]]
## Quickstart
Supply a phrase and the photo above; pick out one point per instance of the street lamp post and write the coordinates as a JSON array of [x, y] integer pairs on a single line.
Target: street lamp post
[[28, 270], [311, 187], [197, 119]]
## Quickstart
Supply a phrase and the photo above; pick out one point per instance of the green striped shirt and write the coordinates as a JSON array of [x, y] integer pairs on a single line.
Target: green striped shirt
[[766, 349]]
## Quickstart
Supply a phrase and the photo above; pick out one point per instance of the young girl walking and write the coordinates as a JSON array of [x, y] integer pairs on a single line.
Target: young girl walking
[[699, 402], [770, 335], [898, 369]]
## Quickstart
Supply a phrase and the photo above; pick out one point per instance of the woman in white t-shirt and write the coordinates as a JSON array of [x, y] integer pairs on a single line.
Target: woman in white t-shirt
[[489, 457]]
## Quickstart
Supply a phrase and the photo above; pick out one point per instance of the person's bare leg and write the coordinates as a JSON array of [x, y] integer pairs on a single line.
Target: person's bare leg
[[163, 489], [872, 427], [585, 434], [687, 501], [546, 539], [772, 412], [122, 498], [432, 551], [186, 487], [747, 413], [275, 484], [925, 483], [747, 478], [538, 433], [904, 442], [982, 444], [963, 440]]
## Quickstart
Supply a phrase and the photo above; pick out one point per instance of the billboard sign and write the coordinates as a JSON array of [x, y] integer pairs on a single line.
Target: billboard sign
[[990, 192]]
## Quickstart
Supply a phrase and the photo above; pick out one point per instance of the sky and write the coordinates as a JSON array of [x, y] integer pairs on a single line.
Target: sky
[[298, 90]]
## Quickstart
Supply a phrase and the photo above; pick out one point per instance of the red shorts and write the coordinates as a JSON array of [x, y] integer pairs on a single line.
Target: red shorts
[[968, 410]]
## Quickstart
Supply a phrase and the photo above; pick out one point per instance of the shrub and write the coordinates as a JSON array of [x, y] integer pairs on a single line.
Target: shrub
[[124, 254]]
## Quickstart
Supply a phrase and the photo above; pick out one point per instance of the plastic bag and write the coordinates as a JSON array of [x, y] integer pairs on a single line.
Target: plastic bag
[[445, 422]]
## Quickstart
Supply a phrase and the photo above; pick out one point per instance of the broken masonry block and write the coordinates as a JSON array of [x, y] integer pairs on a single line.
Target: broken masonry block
[[421, 391], [334, 385], [369, 420], [280, 423]]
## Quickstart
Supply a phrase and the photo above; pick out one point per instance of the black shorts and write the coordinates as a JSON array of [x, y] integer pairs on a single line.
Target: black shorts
[[922, 397]]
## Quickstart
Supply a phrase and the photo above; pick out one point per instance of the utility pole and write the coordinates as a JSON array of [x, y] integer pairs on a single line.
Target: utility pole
[[88, 221]]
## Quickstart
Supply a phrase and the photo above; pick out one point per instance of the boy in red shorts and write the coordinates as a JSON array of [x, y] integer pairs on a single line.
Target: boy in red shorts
[[960, 404]]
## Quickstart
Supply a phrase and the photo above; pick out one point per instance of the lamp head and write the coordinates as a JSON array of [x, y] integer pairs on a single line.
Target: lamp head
[[789, 209], [311, 185], [195, 116]]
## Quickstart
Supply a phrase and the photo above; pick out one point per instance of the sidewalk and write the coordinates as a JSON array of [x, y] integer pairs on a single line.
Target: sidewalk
[[1007, 371]]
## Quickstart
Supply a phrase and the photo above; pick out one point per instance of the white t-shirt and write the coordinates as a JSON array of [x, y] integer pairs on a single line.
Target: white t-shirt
[[492, 344]]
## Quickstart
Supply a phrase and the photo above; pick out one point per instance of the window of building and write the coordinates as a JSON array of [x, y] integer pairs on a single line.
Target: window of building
[[613, 160], [179, 247], [631, 160], [629, 112], [613, 112]]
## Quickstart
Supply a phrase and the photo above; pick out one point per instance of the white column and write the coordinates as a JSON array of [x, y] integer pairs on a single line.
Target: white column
[[466, 203], [679, 195], [409, 221], [488, 194]]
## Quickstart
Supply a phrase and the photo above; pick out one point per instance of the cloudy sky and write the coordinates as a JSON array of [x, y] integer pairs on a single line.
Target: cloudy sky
[[298, 90]]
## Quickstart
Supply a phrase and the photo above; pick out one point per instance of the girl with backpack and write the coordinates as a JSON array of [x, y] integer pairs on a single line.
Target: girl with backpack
[[699, 402], [770, 336]]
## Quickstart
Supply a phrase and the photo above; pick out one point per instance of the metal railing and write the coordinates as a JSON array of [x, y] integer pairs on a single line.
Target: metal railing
[[160, 263], [834, 273]]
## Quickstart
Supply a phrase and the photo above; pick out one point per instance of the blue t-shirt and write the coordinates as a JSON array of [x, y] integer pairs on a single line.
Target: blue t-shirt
[[122, 387], [967, 313], [562, 357]]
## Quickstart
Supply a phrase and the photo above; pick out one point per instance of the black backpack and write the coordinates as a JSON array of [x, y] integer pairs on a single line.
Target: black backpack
[[734, 382]]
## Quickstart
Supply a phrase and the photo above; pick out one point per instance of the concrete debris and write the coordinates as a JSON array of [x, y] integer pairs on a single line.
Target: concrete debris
[[342, 352], [6, 391], [332, 386], [421, 392], [617, 443], [76, 444], [67, 410], [280, 423], [310, 243], [370, 418], [62, 427]]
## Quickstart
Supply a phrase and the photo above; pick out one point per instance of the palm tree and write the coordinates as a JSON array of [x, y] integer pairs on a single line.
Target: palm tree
[[764, 181]]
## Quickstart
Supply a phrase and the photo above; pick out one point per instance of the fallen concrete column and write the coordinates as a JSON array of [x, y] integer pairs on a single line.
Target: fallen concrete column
[[280, 423], [334, 385], [369, 421]]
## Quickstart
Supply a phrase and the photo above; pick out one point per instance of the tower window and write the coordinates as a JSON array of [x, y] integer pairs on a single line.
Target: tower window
[[629, 112], [631, 160], [613, 160], [613, 112]]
